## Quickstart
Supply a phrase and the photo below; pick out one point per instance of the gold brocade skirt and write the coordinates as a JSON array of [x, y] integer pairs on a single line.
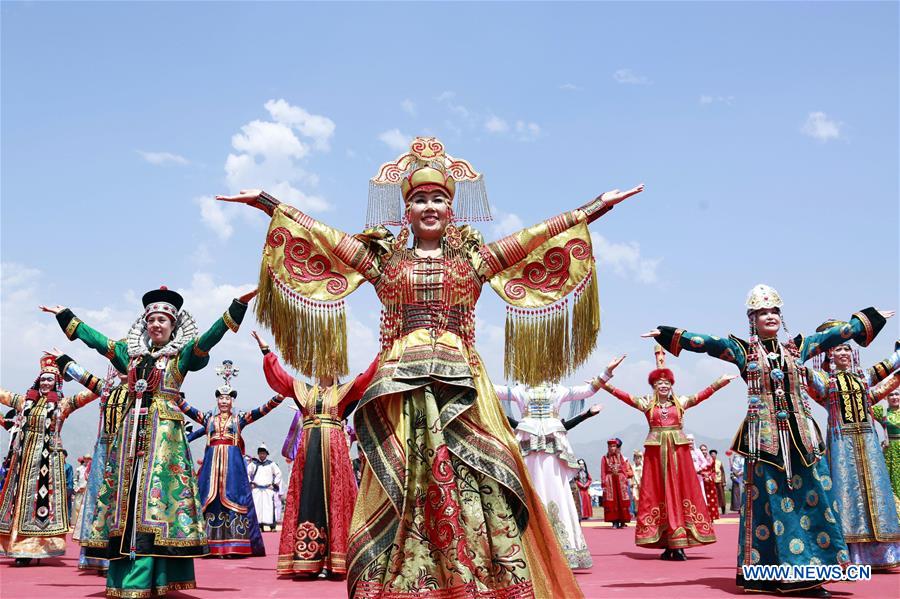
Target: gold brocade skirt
[[446, 505]]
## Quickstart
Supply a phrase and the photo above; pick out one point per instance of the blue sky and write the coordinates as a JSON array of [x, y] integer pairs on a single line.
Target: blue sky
[[766, 133]]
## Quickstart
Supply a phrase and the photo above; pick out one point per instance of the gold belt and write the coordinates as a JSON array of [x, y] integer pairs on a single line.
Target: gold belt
[[661, 429], [323, 421]]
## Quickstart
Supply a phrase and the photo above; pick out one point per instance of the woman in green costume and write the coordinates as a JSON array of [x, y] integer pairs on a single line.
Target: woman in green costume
[[890, 420], [148, 521]]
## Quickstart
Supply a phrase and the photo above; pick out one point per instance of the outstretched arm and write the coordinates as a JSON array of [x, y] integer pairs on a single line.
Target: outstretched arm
[[673, 340], [881, 391], [196, 434], [499, 255], [590, 412], [863, 327], [361, 253], [601, 383], [92, 384], [195, 355], [278, 378], [114, 351], [883, 369], [12, 400], [706, 393], [190, 411], [257, 413]]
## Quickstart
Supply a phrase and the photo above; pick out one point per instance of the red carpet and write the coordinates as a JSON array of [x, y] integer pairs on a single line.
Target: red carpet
[[620, 570]]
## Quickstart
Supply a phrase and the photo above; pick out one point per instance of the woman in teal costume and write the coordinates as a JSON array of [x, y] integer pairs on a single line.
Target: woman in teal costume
[[148, 521], [861, 483], [788, 516]]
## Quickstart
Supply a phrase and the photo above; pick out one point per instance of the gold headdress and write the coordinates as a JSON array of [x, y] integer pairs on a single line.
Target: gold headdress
[[426, 164]]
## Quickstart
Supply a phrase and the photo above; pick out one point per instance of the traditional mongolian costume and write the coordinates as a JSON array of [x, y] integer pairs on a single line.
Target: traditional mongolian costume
[[672, 512], [544, 443], [710, 488], [737, 480], [231, 525], [862, 486], [323, 489], [113, 403], [265, 481], [615, 472], [583, 501], [790, 515], [890, 420], [149, 520], [445, 504], [34, 511]]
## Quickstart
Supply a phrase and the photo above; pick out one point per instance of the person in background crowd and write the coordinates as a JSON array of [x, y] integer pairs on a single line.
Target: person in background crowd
[[638, 468], [719, 470], [70, 481], [737, 479], [265, 476]]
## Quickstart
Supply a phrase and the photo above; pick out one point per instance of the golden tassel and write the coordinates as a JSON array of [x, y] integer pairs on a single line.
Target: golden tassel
[[546, 344], [585, 320], [311, 335]]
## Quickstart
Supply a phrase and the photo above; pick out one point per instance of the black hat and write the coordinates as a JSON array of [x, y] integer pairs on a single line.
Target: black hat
[[162, 300]]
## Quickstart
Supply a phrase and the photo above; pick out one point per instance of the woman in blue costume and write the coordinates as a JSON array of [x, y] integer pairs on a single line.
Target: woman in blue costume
[[232, 528], [862, 486], [788, 516]]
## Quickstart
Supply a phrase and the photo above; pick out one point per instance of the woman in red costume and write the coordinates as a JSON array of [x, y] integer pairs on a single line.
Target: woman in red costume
[[322, 490], [583, 482], [708, 473], [672, 512], [615, 472]]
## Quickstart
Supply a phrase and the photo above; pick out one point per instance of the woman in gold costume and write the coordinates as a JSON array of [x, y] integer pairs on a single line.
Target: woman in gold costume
[[445, 505]]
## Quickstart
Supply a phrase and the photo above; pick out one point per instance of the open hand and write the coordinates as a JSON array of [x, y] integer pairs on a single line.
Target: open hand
[[55, 352], [886, 313], [595, 409], [52, 309], [615, 363], [245, 196], [654, 333], [613, 197], [245, 299], [262, 344]]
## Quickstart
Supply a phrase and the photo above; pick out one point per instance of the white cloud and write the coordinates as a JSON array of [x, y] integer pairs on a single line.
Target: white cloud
[[629, 77], [317, 127], [821, 127], [216, 215], [408, 106], [527, 131], [268, 139], [505, 223], [495, 124], [395, 139], [707, 99], [448, 99], [625, 259], [163, 158], [569, 87], [269, 154]]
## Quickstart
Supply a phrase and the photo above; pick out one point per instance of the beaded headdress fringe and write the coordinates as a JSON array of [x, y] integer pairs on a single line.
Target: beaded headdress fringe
[[548, 344], [312, 334], [386, 206]]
